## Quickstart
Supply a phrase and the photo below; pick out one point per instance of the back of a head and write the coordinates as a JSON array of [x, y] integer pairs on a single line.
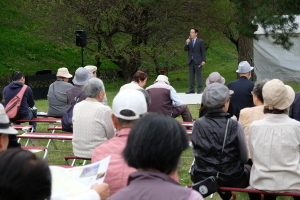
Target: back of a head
[[215, 95], [139, 76], [93, 87], [257, 89], [17, 75], [155, 142], [129, 105], [23, 176]]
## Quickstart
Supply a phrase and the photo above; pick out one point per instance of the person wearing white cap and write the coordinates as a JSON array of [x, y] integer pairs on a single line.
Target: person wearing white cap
[[127, 107], [164, 100], [93, 70], [274, 143], [242, 88], [82, 75], [92, 125], [57, 97]]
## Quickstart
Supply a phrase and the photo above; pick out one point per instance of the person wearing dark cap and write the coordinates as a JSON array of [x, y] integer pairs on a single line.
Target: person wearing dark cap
[[207, 140], [242, 88], [214, 77], [81, 77], [57, 100]]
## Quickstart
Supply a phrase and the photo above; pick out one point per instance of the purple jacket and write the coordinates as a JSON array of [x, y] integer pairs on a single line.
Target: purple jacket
[[12, 90], [152, 186]]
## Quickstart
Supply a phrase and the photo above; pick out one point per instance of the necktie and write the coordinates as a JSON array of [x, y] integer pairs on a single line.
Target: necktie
[[193, 42]]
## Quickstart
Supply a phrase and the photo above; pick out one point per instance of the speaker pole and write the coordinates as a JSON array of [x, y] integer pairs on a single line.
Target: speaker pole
[[82, 56]]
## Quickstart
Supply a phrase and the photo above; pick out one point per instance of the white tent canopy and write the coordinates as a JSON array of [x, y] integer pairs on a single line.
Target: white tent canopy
[[272, 61]]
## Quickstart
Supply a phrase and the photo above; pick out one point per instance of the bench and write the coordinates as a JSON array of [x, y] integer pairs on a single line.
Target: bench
[[25, 128], [230, 189], [74, 160], [51, 121], [48, 136], [187, 124], [36, 150], [248, 190]]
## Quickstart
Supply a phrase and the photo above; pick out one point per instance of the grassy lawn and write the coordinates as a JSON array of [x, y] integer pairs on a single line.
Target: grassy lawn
[[223, 61]]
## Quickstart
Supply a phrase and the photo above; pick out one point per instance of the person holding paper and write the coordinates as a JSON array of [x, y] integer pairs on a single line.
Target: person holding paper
[[154, 147]]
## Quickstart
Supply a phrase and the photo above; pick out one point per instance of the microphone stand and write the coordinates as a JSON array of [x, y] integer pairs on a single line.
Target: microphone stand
[[167, 61]]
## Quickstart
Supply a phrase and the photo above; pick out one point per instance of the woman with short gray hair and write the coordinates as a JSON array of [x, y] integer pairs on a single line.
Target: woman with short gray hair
[[92, 124]]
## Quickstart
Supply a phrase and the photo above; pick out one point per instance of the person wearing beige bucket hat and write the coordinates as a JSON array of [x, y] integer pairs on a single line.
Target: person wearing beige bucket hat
[[57, 99], [274, 142], [164, 99]]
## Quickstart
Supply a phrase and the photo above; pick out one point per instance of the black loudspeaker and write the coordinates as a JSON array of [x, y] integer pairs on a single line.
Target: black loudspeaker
[[81, 38]]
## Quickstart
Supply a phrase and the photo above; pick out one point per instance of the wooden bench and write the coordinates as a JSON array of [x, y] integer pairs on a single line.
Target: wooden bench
[[35, 149], [74, 160], [51, 121]]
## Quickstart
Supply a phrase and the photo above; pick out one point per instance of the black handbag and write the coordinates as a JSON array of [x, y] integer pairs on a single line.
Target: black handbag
[[210, 185]]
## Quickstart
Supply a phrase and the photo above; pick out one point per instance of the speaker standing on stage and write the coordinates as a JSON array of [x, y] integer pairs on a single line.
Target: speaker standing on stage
[[196, 59]]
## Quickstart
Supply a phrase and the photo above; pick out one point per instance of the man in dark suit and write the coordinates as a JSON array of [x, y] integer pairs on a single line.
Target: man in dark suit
[[196, 59], [242, 87]]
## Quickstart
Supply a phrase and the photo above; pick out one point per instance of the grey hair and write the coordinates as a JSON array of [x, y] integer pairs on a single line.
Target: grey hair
[[93, 87]]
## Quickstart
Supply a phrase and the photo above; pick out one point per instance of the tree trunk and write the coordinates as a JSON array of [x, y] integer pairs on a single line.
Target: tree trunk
[[245, 49]]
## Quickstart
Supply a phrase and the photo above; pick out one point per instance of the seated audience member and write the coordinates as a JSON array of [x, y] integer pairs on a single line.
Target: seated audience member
[[294, 112], [154, 146], [242, 87], [164, 100], [128, 106], [139, 81], [9, 92], [214, 77], [274, 143], [207, 139], [23, 176], [93, 70], [5, 130], [82, 75], [92, 124], [248, 115], [57, 99], [33, 180]]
